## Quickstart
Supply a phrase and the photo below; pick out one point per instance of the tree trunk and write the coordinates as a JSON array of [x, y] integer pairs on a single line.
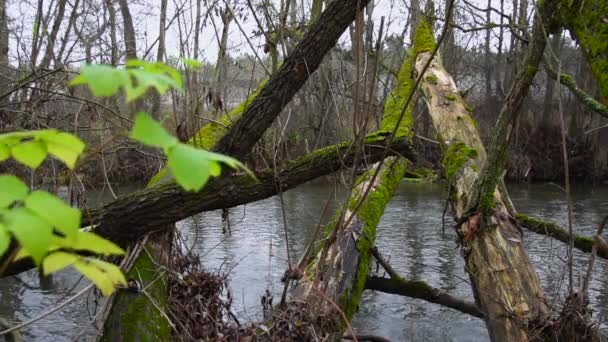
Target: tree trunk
[[156, 99], [295, 70], [50, 44], [137, 316], [128, 30], [5, 71], [221, 66], [504, 282], [340, 263], [68, 31]]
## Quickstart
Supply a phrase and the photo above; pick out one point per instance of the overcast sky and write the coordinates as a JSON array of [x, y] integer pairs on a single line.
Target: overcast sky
[[146, 16]]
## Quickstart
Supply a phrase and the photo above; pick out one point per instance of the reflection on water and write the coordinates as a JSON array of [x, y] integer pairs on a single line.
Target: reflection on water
[[409, 233]]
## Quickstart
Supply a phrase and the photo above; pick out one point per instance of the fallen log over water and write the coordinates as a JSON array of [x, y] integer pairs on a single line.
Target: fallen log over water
[[134, 215], [582, 243]]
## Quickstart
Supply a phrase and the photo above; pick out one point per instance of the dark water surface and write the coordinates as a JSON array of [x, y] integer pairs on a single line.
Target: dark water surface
[[409, 233]]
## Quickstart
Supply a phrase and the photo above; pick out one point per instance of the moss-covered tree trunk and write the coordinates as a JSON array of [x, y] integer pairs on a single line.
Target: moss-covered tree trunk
[[506, 287], [588, 23], [337, 271]]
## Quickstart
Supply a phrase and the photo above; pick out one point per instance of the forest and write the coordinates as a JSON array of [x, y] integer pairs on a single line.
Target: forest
[[303, 170]]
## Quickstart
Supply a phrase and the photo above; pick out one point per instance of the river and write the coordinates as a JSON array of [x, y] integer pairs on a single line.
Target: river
[[410, 233]]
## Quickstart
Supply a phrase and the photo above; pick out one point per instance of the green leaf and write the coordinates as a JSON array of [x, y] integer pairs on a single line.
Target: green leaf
[[145, 80], [5, 239], [57, 261], [149, 132], [32, 232], [55, 212], [103, 80], [158, 68], [11, 189], [96, 276], [5, 152], [64, 146], [233, 163], [106, 276], [189, 166], [192, 63], [112, 271], [94, 243], [30, 153]]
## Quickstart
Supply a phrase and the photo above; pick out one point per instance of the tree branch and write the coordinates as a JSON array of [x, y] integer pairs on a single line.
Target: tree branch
[[139, 213]]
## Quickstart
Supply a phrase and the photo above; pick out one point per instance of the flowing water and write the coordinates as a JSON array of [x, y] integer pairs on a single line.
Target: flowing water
[[410, 233]]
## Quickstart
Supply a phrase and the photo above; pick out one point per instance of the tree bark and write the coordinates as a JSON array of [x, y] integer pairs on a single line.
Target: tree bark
[[50, 44], [5, 71], [421, 290], [554, 52], [339, 266], [136, 315], [129, 30], [132, 216], [295, 70], [582, 243], [156, 98], [583, 97], [505, 285]]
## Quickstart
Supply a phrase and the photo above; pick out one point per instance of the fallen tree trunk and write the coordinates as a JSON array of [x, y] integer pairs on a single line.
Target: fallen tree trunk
[[505, 285], [416, 289], [421, 290], [580, 94], [334, 277], [132, 216], [582, 243]]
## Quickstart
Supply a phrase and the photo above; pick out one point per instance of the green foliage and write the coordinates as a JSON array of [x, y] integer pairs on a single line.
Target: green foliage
[[587, 21], [192, 63], [45, 226], [190, 166], [457, 154], [135, 80], [30, 148]]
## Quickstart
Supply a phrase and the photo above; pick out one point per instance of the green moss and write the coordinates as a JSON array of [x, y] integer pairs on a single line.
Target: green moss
[[424, 40], [451, 97], [587, 21], [467, 107], [135, 318], [369, 214], [432, 79], [584, 243], [396, 101], [472, 120], [456, 155], [531, 71]]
